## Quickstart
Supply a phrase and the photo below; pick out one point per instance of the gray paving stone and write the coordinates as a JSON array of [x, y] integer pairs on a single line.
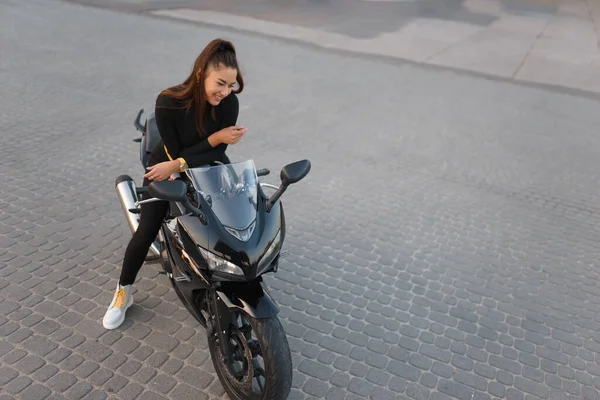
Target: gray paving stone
[[455, 389], [163, 383], [67, 360], [79, 390], [29, 364], [335, 393], [45, 373], [376, 360], [470, 379], [326, 357], [62, 381], [360, 387], [145, 374], [7, 374], [14, 356], [310, 351], [195, 377], [86, 369], [35, 391], [377, 377], [505, 364], [129, 367], [316, 388], [435, 353], [442, 370], [589, 393], [96, 395], [100, 376], [358, 369], [404, 370], [17, 385]]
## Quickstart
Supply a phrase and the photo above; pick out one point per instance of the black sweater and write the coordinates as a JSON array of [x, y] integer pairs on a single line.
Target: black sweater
[[177, 127]]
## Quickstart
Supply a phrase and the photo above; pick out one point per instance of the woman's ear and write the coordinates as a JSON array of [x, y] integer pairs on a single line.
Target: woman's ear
[[198, 73]]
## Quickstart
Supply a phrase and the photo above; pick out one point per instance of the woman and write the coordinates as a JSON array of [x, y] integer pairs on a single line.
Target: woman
[[197, 121]]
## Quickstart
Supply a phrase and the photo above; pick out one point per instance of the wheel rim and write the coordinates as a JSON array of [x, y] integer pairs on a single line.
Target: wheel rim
[[245, 373]]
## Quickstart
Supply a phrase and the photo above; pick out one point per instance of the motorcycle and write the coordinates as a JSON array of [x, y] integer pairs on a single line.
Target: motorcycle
[[221, 235]]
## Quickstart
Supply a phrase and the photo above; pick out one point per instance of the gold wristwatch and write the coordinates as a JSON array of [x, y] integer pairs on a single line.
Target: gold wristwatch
[[183, 164]]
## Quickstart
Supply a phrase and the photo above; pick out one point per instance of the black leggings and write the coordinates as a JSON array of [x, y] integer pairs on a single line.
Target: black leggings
[[151, 219]]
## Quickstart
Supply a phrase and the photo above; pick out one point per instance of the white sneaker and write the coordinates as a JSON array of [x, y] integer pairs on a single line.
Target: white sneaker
[[122, 300]]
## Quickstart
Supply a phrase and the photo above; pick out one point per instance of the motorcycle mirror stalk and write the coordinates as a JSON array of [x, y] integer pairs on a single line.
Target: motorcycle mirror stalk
[[291, 173]]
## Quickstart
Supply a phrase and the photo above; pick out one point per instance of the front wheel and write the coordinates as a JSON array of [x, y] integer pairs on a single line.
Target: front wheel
[[261, 363]]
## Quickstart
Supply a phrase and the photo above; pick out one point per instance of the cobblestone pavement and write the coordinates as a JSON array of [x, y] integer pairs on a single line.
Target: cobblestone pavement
[[445, 244]]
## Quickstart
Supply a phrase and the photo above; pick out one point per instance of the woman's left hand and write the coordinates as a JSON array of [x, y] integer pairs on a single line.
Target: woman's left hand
[[162, 171]]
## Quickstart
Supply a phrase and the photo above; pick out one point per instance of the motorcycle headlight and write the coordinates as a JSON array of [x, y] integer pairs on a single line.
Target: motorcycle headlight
[[216, 263]]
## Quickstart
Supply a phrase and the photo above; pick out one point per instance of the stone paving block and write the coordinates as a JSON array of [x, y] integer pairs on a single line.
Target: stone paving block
[[7, 374], [44, 373], [35, 391], [17, 385], [183, 391], [172, 366], [116, 383], [29, 364], [86, 369], [131, 391], [62, 381], [79, 390]]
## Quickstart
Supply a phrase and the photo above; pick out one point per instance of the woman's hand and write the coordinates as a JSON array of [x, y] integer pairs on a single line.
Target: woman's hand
[[230, 135], [163, 170]]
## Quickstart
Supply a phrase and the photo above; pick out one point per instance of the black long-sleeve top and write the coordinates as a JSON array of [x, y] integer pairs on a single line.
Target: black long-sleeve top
[[179, 136]]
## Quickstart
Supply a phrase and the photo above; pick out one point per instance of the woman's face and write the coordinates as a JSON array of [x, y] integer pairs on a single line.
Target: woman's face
[[219, 83]]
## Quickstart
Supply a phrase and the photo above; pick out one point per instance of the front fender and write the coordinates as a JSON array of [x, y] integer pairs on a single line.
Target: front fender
[[252, 299]]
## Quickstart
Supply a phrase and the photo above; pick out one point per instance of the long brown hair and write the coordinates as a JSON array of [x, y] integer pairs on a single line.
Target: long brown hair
[[217, 53]]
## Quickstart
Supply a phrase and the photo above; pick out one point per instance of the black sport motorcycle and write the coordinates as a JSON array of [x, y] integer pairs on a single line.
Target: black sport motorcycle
[[221, 234]]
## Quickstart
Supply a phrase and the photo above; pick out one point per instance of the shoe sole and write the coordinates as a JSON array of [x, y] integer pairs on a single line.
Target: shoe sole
[[118, 323]]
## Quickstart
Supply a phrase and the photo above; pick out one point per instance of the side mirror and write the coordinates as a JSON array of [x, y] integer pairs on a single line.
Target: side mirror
[[168, 190], [294, 172], [291, 173]]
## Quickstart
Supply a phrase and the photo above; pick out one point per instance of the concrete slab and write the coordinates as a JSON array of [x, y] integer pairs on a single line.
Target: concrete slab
[[584, 76], [565, 51], [408, 47], [593, 7], [492, 7], [530, 8], [492, 51], [574, 8], [439, 30], [575, 29], [325, 39], [520, 24]]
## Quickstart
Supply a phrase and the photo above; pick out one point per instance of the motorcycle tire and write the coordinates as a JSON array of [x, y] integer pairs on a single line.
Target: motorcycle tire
[[274, 351]]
